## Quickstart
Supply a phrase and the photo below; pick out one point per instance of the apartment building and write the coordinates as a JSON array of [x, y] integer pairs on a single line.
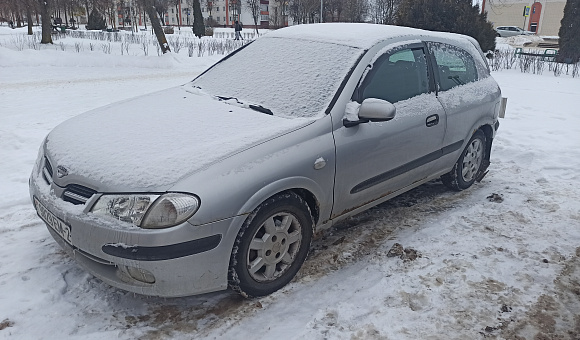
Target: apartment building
[[219, 13], [225, 12]]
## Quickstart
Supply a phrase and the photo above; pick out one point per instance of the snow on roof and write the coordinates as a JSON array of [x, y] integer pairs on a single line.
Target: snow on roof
[[351, 34]]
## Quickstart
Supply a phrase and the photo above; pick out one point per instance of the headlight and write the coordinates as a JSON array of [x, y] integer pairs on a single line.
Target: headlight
[[148, 211], [169, 210]]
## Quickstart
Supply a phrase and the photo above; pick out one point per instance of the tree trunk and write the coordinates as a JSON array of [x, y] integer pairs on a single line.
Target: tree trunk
[[46, 24], [29, 17], [65, 15], [156, 23], [87, 9], [178, 16]]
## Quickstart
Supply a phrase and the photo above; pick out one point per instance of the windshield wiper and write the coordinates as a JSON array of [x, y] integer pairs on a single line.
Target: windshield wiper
[[262, 109], [258, 108], [229, 98]]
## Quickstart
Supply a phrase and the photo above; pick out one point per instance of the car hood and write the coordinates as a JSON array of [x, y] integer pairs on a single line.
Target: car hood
[[150, 142]]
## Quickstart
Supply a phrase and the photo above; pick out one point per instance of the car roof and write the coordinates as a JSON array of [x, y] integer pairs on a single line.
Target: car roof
[[358, 35]]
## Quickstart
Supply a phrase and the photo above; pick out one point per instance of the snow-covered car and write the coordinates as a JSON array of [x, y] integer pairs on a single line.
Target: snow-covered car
[[224, 181], [510, 31]]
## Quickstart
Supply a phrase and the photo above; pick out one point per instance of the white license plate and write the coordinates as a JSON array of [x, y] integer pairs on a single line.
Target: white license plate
[[54, 222]]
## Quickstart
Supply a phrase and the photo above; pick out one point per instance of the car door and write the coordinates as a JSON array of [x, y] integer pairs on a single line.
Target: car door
[[375, 159], [465, 101]]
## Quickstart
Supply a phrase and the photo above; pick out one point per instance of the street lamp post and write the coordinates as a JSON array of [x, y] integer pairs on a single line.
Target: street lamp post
[[320, 10]]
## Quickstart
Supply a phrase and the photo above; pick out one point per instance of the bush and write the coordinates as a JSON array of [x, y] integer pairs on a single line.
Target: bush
[[456, 16], [198, 25], [96, 21], [570, 33]]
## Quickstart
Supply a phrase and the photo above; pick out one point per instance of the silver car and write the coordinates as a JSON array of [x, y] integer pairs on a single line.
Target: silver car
[[223, 181], [510, 31]]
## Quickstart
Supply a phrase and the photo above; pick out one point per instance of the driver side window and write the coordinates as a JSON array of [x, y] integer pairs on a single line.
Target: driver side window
[[397, 76]]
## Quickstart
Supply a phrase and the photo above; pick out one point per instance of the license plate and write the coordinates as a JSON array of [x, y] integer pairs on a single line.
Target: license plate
[[54, 222]]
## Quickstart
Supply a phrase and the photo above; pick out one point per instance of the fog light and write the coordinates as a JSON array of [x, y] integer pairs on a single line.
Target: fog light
[[139, 274]]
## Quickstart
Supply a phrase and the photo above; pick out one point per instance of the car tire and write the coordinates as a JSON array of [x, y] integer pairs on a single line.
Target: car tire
[[469, 166], [271, 246]]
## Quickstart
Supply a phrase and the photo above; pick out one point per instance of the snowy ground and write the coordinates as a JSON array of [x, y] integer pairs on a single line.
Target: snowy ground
[[497, 266]]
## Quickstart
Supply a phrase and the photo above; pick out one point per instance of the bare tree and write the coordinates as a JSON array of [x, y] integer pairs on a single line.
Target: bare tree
[[333, 10], [278, 13], [161, 7], [29, 7], [46, 24], [150, 8], [355, 10], [304, 11], [254, 6], [384, 11]]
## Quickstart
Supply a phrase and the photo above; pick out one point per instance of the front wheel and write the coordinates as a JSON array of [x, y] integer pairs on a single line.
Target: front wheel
[[271, 246], [469, 165]]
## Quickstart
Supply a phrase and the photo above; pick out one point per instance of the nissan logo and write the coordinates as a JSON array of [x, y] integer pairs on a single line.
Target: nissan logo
[[61, 171]]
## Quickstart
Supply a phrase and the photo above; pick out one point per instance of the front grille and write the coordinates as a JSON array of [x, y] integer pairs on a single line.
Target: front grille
[[77, 194], [47, 171]]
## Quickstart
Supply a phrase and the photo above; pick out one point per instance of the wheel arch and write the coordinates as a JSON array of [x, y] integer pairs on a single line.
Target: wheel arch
[[311, 201], [307, 196], [305, 188], [488, 133]]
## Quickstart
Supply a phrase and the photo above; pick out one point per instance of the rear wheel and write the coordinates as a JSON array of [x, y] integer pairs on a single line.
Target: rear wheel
[[271, 246], [469, 165]]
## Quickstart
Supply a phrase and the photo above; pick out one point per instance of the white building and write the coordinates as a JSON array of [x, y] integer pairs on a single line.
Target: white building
[[226, 12]]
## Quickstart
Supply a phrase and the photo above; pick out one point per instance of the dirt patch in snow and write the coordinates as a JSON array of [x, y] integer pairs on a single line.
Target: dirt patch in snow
[[555, 314], [6, 323], [362, 234]]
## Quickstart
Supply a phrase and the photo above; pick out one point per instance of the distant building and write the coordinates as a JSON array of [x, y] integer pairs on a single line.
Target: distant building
[[544, 15], [226, 12], [223, 13]]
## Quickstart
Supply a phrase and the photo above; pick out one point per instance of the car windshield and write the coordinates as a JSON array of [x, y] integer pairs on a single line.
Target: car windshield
[[287, 77]]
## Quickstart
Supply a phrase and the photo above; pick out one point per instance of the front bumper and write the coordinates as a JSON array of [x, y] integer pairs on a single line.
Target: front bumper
[[179, 261]]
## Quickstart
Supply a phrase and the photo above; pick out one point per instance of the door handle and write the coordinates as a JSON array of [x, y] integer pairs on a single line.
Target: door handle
[[432, 120]]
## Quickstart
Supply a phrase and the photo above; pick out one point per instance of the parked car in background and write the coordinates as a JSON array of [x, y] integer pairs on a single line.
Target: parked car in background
[[510, 31], [223, 181]]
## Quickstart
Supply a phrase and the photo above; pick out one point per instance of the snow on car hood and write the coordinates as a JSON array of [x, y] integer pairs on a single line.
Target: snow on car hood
[[155, 140]]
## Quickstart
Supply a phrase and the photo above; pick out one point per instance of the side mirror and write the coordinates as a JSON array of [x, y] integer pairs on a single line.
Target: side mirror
[[373, 110]]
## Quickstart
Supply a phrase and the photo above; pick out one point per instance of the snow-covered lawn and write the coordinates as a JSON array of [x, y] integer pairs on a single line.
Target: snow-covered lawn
[[495, 261]]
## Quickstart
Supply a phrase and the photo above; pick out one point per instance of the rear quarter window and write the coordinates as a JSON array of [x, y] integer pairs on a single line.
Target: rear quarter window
[[455, 66]]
